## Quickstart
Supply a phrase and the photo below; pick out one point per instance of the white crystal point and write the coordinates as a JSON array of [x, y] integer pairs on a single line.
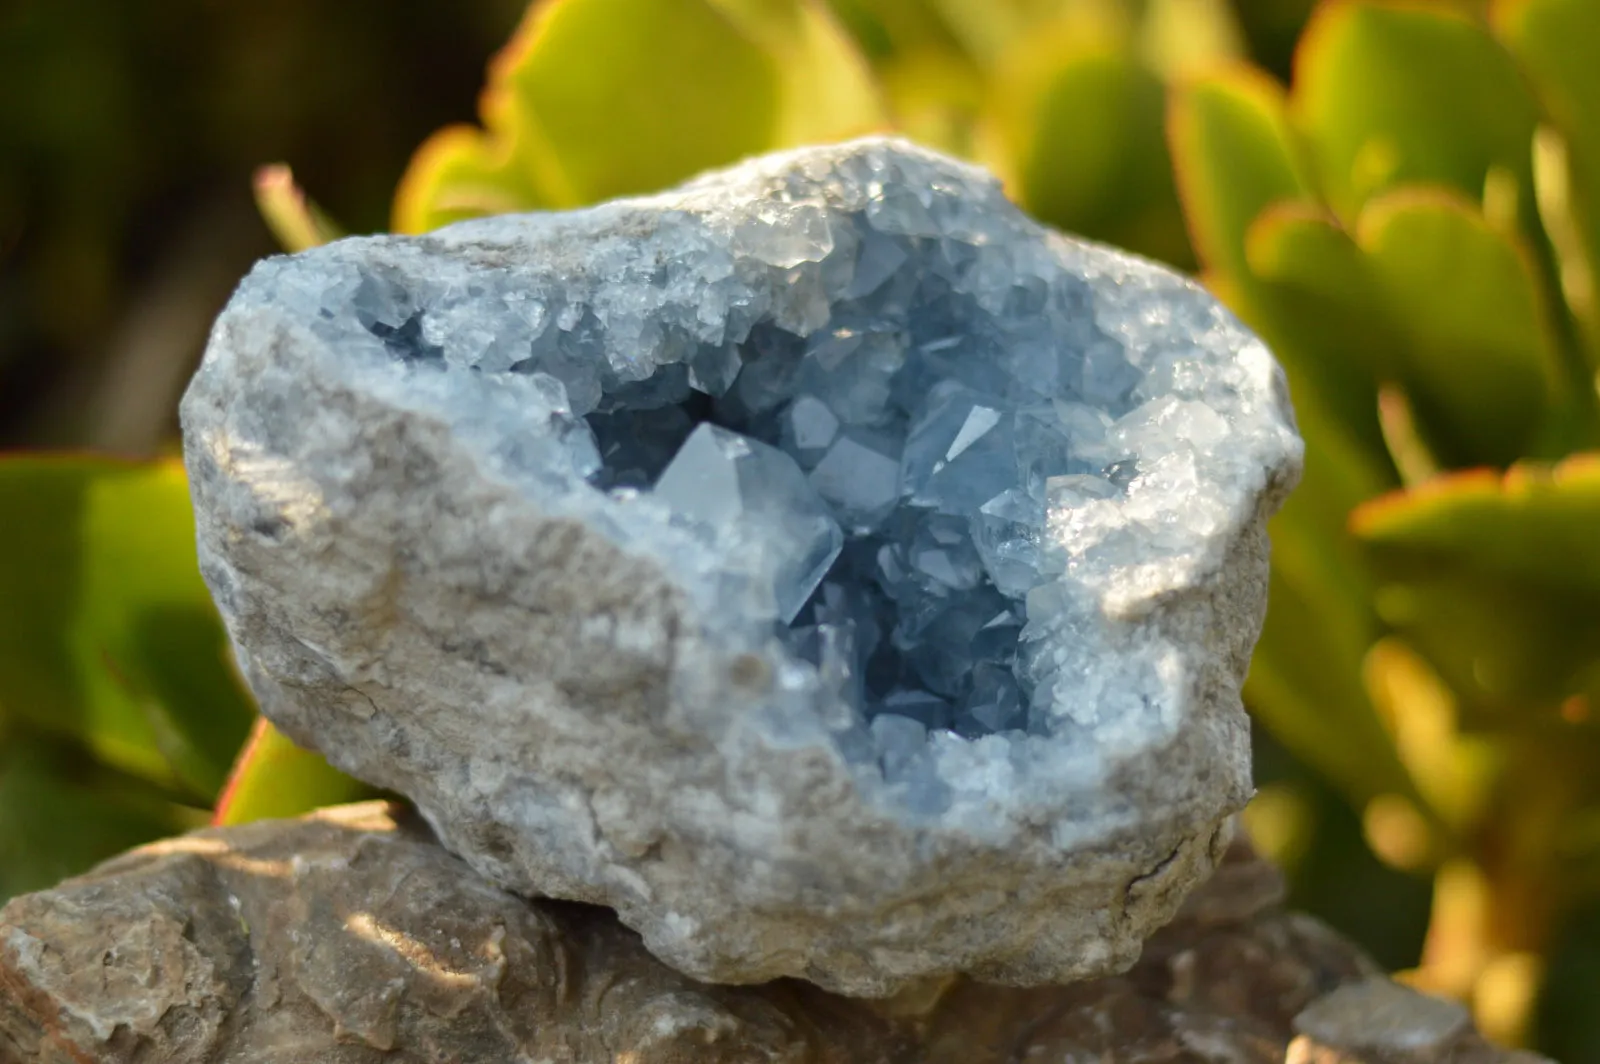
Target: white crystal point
[[824, 565]]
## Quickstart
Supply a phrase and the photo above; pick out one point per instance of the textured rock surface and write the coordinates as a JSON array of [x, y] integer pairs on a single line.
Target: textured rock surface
[[823, 565], [1376, 1021], [345, 938]]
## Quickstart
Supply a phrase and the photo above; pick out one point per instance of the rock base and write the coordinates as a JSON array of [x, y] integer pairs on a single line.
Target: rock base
[[352, 937]]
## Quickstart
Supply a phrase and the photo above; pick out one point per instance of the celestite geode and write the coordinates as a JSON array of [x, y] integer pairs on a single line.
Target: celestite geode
[[824, 565]]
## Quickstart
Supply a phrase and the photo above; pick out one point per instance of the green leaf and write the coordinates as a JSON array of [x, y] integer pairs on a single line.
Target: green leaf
[[594, 99], [1456, 772], [1390, 94], [461, 172], [1276, 258], [567, 122], [1326, 313], [1482, 370], [985, 29], [295, 221], [1076, 124], [1304, 686], [1301, 248], [1497, 581], [1433, 298], [712, 94], [275, 778], [1234, 154], [625, 96], [827, 89], [107, 632], [1238, 166], [60, 815], [1183, 38], [1304, 678], [937, 97], [1536, 523], [1556, 42], [1514, 653], [932, 84], [888, 28]]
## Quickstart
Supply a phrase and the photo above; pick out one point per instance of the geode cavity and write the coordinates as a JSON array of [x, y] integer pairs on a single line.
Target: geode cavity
[[824, 565]]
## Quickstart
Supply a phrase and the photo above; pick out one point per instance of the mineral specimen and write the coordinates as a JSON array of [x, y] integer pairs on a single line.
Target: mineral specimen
[[824, 565]]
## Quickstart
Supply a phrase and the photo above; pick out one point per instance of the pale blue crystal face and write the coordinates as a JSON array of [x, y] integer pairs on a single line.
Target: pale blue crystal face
[[728, 485]]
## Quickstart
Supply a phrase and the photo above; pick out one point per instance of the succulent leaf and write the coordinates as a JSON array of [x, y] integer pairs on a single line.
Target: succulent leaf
[[275, 778], [1074, 123], [61, 814], [565, 123], [1403, 93], [107, 633], [1555, 43], [295, 221], [1496, 580], [1235, 154], [1481, 368]]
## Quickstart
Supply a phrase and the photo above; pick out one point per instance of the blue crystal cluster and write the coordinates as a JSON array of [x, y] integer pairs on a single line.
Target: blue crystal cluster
[[869, 392], [897, 458]]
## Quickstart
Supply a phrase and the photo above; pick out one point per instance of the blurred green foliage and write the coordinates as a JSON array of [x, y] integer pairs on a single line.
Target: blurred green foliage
[[128, 132], [1403, 199], [118, 704]]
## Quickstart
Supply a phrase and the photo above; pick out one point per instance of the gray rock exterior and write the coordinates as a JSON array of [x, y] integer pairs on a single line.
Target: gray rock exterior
[[1020, 509], [351, 937]]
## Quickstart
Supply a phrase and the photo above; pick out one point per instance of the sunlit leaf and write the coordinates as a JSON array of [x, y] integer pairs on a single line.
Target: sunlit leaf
[[565, 120], [1327, 310], [1514, 653], [1414, 456], [275, 778], [1234, 154], [1075, 122], [1320, 623], [1185, 38], [572, 79], [1303, 686], [107, 632], [1536, 523], [1481, 370], [937, 97], [1236, 162], [1435, 303], [1496, 579], [932, 85], [1320, 620], [826, 88], [1301, 248], [594, 99], [985, 29], [1556, 42], [1391, 94], [1453, 770], [886, 28], [295, 221], [1238, 165], [462, 172]]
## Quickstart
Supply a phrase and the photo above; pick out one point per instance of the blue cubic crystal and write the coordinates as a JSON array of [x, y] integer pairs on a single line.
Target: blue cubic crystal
[[728, 482], [960, 452]]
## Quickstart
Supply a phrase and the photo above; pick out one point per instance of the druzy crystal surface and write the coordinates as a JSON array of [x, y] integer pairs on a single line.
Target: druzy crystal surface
[[762, 558]]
